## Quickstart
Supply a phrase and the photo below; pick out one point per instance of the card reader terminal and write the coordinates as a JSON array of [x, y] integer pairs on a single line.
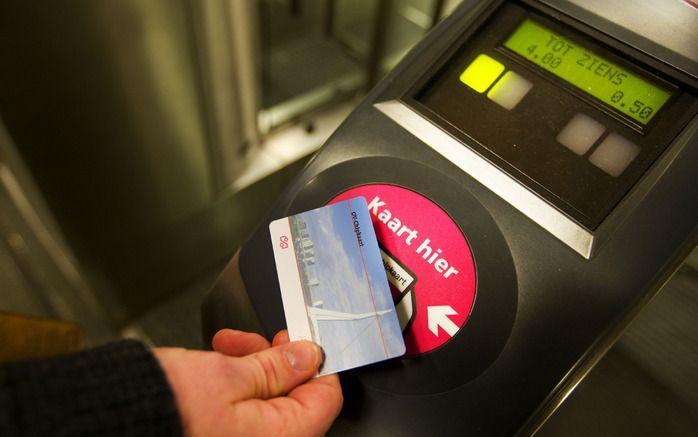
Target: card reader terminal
[[530, 173]]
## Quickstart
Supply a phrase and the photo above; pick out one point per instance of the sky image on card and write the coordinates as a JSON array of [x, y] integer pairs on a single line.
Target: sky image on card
[[334, 287]]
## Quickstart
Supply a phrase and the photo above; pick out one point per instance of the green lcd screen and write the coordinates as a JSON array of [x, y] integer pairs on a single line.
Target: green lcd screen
[[591, 73]]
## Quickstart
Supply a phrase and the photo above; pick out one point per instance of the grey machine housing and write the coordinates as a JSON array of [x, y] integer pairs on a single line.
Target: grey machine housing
[[549, 302]]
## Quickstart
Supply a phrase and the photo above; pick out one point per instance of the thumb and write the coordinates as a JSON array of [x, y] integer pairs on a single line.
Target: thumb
[[276, 371]]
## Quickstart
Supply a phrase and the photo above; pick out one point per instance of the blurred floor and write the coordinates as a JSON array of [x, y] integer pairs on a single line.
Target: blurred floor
[[176, 322]]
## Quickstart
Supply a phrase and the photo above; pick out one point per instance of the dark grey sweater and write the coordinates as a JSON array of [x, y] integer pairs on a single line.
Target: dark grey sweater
[[114, 390]]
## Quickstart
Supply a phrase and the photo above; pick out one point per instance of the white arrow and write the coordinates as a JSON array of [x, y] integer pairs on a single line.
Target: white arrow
[[438, 316]]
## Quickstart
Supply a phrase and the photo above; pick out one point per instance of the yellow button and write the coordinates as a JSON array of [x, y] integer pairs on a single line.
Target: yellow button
[[481, 73]]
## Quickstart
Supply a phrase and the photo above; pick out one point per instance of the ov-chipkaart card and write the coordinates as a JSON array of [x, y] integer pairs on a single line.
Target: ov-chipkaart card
[[334, 286]]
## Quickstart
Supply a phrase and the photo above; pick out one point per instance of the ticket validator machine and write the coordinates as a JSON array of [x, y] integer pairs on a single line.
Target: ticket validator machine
[[531, 170]]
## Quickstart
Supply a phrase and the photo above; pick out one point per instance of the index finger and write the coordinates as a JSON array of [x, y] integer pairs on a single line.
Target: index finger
[[318, 393], [320, 401], [307, 410], [238, 343], [281, 337]]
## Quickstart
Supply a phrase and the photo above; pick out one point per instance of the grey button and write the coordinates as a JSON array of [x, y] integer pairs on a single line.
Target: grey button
[[580, 133], [509, 90], [614, 154]]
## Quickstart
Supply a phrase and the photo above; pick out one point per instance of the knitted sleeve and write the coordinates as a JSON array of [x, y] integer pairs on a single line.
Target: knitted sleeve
[[114, 390]]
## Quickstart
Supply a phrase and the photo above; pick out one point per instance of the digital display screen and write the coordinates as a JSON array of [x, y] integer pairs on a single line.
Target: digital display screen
[[606, 81]]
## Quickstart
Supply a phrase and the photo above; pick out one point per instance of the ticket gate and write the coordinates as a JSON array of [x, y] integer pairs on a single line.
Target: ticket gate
[[530, 171]]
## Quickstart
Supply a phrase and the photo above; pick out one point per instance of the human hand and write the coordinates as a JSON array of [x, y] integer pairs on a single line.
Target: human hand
[[249, 387]]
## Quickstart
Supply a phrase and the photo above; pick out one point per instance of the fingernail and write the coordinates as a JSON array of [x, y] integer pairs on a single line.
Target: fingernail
[[303, 355]]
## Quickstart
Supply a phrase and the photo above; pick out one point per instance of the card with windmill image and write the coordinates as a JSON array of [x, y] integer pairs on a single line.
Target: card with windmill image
[[334, 286]]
